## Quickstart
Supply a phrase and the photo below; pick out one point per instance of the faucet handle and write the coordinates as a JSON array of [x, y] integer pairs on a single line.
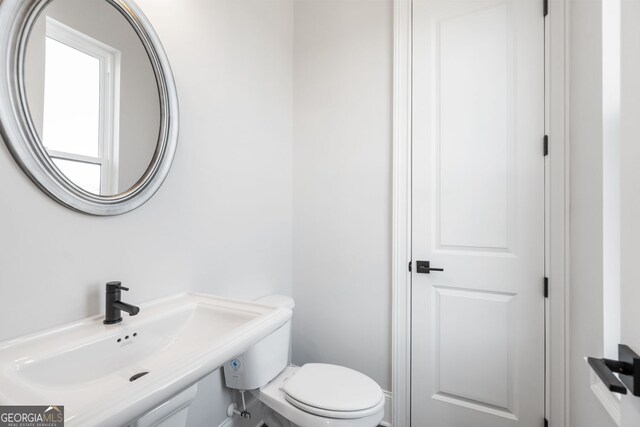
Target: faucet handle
[[114, 286]]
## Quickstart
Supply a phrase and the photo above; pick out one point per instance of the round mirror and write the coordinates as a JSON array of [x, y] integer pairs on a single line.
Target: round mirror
[[87, 103]]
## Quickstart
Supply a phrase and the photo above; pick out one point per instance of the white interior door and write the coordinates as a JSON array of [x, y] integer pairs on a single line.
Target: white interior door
[[478, 213]]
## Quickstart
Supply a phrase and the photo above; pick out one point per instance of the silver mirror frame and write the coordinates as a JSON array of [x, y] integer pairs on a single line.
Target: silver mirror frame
[[19, 133]]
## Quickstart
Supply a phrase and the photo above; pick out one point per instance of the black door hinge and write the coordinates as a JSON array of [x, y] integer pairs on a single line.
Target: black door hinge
[[545, 7], [409, 265], [546, 422], [545, 145], [546, 287]]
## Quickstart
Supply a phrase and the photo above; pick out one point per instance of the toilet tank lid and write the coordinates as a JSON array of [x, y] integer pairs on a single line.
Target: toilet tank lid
[[277, 301]]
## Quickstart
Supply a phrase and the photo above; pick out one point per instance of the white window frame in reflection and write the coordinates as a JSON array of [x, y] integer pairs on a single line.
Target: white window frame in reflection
[[109, 121]]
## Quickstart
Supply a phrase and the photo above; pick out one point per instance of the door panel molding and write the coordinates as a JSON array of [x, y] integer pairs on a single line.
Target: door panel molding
[[485, 381]]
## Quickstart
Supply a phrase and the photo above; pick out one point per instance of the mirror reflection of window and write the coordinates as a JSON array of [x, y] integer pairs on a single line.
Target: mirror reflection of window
[[80, 108], [84, 174]]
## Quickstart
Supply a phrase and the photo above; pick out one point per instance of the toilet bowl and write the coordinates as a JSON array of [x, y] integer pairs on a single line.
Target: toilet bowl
[[317, 398], [313, 395]]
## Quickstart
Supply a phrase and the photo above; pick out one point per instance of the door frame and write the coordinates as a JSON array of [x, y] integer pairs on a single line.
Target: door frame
[[556, 213]]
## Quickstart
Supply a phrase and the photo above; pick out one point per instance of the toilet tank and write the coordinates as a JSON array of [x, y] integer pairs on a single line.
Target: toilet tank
[[263, 361]]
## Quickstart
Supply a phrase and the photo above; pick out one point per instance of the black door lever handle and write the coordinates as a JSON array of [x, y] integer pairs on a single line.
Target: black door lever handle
[[627, 368], [604, 371], [425, 267]]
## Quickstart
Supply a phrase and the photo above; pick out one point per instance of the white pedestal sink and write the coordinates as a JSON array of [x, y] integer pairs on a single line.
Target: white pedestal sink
[[88, 367]]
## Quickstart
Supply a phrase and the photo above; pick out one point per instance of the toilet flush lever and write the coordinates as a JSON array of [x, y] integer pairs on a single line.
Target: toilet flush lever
[[425, 267]]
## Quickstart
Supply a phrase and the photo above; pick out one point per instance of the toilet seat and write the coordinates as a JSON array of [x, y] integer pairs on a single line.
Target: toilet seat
[[346, 415], [274, 397], [333, 391]]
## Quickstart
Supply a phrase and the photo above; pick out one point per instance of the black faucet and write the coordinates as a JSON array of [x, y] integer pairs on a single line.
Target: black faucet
[[113, 305]]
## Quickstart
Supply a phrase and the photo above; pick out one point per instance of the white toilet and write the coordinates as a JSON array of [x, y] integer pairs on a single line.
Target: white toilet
[[313, 395]]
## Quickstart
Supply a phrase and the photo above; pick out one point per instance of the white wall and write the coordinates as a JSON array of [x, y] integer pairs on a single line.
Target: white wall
[[343, 59], [586, 207], [221, 223], [630, 191], [611, 175]]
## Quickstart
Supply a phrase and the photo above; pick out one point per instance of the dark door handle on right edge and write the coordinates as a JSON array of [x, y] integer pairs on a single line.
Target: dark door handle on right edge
[[425, 267], [627, 368]]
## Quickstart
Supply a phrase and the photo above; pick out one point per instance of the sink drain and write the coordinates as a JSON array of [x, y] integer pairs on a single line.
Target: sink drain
[[136, 376]]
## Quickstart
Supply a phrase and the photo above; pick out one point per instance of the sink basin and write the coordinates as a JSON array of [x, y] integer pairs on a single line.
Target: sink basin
[[94, 370]]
